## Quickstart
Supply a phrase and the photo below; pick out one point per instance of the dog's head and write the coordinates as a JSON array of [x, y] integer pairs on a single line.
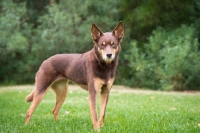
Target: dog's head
[[108, 44]]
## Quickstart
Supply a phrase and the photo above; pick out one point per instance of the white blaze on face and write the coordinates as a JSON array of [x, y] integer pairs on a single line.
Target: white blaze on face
[[108, 54]]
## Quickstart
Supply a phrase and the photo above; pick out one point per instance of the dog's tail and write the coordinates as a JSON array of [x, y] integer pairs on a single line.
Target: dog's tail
[[29, 98]]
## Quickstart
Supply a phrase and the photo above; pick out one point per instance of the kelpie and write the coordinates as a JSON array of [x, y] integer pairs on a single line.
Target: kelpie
[[93, 71]]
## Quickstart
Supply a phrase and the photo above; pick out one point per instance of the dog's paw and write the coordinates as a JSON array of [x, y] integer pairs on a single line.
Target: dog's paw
[[101, 123], [96, 126], [97, 130]]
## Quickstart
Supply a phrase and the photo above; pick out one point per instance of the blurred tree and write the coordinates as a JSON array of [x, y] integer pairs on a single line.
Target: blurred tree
[[144, 16], [170, 60], [13, 44]]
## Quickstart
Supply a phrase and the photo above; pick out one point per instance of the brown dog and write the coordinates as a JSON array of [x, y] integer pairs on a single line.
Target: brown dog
[[93, 71]]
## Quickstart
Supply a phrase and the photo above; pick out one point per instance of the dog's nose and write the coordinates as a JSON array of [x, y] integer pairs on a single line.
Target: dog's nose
[[108, 55]]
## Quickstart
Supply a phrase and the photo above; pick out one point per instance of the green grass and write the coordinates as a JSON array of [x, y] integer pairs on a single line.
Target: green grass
[[129, 111]]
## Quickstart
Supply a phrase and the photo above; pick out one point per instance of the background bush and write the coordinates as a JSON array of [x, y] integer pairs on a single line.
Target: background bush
[[169, 61], [160, 49]]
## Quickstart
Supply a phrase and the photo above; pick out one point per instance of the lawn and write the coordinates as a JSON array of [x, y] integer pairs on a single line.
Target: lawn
[[128, 111]]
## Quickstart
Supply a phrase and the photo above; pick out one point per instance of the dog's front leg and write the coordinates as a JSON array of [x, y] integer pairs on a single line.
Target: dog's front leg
[[93, 110], [104, 100], [94, 88]]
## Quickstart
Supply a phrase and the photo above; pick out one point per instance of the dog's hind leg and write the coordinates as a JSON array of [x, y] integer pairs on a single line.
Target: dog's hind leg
[[60, 88], [36, 100], [36, 95]]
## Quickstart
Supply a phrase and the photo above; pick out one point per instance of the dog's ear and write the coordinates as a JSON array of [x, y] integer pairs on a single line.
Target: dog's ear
[[119, 31], [96, 33]]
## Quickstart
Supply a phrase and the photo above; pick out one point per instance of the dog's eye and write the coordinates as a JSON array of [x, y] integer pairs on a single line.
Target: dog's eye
[[103, 44], [114, 46]]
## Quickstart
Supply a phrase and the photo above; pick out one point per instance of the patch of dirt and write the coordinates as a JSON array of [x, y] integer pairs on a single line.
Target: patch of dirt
[[115, 88], [125, 89]]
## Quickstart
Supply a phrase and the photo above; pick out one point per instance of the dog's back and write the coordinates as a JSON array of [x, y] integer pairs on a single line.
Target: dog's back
[[69, 66]]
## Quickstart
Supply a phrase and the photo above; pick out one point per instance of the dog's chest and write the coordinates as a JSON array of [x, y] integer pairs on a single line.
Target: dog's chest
[[104, 71]]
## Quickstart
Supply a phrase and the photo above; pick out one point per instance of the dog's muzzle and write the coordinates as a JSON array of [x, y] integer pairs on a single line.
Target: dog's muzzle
[[108, 57]]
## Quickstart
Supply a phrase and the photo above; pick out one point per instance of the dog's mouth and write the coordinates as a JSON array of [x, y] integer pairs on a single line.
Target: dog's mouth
[[108, 57]]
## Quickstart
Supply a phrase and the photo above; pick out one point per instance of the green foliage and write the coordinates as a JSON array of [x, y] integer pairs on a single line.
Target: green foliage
[[11, 40], [13, 43], [170, 60], [144, 16]]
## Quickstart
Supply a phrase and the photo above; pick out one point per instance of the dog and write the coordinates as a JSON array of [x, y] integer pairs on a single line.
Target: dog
[[93, 71]]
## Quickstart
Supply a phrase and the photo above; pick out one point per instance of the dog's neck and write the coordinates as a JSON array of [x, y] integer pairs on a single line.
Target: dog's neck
[[100, 68]]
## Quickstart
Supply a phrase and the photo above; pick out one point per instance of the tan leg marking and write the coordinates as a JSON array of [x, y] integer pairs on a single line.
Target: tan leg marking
[[98, 83], [104, 100], [60, 88]]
